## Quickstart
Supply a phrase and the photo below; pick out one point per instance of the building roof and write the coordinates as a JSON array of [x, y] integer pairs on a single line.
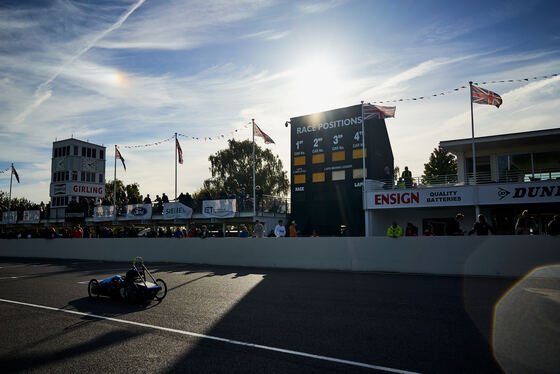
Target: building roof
[[74, 141], [539, 137]]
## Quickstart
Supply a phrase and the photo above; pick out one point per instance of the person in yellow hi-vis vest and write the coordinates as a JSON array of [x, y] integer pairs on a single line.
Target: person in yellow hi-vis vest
[[394, 231]]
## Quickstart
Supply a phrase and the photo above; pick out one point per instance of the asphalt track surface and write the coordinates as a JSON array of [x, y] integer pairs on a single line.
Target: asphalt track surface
[[247, 320]]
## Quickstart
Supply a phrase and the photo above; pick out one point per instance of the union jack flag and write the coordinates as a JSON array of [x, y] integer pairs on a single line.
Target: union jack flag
[[259, 132], [14, 172], [120, 157], [378, 112], [179, 151], [482, 96]]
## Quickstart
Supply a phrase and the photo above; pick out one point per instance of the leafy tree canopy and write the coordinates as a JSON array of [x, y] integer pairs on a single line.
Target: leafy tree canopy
[[441, 163], [232, 169], [18, 204], [130, 192]]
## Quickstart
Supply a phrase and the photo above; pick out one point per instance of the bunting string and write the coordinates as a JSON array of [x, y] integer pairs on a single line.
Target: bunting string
[[5, 170], [205, 138], [450, 91]]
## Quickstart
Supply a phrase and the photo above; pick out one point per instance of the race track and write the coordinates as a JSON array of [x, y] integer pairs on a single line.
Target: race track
[[240, 320]]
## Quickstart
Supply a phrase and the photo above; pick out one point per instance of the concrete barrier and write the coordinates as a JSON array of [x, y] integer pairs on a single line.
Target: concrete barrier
[[490, 256]]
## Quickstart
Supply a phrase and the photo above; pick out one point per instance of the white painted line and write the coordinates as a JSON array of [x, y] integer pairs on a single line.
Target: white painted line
[[215, 338], [83, 282], [16, 277]]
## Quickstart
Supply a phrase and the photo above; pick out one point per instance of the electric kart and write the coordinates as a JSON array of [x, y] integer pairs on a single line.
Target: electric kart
[[134, 287]]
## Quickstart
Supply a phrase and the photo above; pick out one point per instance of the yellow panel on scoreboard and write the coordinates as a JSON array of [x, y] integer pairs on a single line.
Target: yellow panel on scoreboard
[[358, 173], [299, 178], [299, 160], [318, 177], [357, 153], [339, 156], [318, 158]]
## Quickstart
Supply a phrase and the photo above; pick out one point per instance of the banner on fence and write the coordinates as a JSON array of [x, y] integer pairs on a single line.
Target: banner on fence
[[219, 208], [139, 211], [176, 210], [31, 216], [103, 213]]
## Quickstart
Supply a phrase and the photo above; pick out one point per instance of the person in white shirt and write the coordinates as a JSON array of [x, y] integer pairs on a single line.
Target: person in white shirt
[[280, 230]]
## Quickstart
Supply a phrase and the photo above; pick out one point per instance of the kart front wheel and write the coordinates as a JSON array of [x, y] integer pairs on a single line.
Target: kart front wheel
[[161, 293], [93, 288]]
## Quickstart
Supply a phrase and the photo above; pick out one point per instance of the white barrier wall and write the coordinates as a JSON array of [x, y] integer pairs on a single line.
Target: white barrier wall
[[492, 255]]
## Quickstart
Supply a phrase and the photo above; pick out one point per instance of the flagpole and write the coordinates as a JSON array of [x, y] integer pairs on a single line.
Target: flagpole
[[175, 167], [254, 184], [366, 218], [10, 195], [477, 208], [115, 186]]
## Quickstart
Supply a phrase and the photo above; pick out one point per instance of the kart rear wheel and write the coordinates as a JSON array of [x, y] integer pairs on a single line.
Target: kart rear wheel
[[163, 292], [93, 288]]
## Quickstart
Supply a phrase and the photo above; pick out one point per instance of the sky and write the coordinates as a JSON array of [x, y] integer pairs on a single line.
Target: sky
[[137, 71]]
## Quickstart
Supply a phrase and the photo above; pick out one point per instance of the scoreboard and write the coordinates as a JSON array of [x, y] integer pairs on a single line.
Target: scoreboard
[[327, 168]]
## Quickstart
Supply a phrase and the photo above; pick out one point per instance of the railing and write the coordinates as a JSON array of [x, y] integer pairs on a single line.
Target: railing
[[485, 177]]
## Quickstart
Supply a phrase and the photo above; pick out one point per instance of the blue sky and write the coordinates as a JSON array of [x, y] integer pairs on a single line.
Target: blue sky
[[135, 72]]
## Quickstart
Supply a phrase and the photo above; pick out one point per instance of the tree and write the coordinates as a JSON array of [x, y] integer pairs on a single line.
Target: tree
[[232, 169], [130, 192], [442, 167]]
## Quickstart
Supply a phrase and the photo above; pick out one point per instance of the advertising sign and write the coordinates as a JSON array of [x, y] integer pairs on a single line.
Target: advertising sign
[[522, 193], [13, 217], [219, 208], [59, 189], [176, 210], [103, 213], [138, 211], [491, 194], [86, 189], [420, 198], [31, 216]]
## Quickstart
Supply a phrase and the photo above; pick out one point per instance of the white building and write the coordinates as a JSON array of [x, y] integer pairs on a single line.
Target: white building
[[77, 173], [514, 172]]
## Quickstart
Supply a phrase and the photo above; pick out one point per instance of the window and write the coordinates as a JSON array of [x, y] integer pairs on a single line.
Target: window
[[89, 152], [88, 178], [75, 150], [101, 178], [67, 175], [67, 150], [94, 153], [74, 175], [83, 152], [101, 154], [56, 152], [83, 176], [65, 200]]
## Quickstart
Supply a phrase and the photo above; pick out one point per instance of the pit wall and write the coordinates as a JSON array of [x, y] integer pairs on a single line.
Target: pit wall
[[489, 256]]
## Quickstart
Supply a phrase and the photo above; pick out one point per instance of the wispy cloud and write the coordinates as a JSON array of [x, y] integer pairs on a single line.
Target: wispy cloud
[[320, 6]]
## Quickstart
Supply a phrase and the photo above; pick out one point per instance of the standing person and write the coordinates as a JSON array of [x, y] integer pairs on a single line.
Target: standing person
[[280, 230], [314, 234], [394, 231], [193, 231], [258, 231], [292, 230], [147, 199], [407, 177], [204, 232], [242, 199], [525, 224], [164, 198], [410, 230], [481, 227], [244, 233], [455, 226], [554, 226], [259, 198], [178, 233]]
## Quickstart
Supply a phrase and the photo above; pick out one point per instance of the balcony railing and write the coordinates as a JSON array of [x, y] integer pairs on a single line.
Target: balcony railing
[[506, 176]]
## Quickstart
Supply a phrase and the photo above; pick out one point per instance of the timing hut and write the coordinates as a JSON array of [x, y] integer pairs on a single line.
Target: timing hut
[[327, 168], [77, 172]]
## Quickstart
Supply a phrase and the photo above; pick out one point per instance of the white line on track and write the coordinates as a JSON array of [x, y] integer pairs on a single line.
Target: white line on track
[[216, 338], [16, 277]]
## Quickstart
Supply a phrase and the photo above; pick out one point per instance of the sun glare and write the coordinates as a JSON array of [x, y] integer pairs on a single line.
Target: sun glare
[[316, 85]]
